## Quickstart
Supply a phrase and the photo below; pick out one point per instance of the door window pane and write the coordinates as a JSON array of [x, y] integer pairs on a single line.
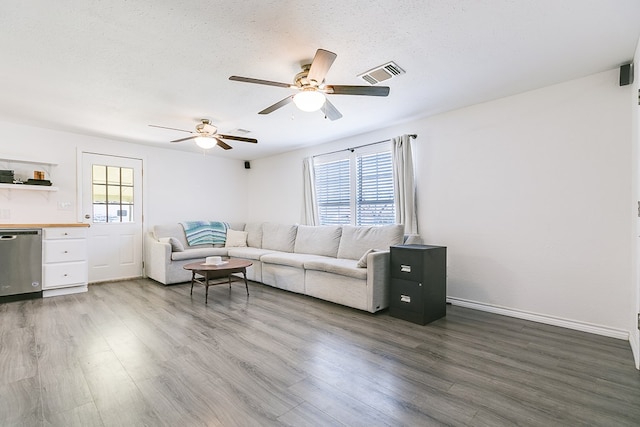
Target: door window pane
[[112, 196], [99, 174], [113, 175], [99, 193], [126, 176], [127, 195]]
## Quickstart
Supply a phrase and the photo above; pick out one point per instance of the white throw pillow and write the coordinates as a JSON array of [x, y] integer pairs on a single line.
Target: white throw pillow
[[362, 262], [176, 246], [236, 238]]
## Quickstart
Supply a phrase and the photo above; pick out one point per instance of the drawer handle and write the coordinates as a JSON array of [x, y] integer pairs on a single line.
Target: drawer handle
[[66, 252], [405, 298], [405, 268], [65, 275]]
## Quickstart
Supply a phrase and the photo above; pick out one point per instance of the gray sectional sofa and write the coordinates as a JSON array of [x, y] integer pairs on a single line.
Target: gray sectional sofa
[[343, 264]]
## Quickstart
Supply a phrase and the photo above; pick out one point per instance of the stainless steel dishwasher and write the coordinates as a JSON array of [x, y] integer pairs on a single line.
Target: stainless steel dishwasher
[[20, 264]]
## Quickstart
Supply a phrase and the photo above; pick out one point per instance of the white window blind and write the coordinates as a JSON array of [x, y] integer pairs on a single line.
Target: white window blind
[[356, 187], [333, 191], [374, 198]]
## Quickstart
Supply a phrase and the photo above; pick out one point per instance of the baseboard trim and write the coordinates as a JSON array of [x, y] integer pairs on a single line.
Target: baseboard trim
[[64, 291], [542, 318], [635, 348]]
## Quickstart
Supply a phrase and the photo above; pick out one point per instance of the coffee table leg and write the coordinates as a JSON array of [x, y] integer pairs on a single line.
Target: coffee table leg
[[206, 287], [246, 285], [193, 276]]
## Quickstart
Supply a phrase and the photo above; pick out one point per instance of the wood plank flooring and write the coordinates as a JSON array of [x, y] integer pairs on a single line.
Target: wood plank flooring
[[136, 353]]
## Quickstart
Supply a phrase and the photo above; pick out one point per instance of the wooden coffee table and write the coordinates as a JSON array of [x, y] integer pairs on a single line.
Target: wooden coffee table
[[209, 272]]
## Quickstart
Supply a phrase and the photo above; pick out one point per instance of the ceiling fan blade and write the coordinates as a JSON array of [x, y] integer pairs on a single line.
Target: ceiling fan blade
[[258, 81], [330, 111], [277, 105], [164, 127], [238, 138], [222, 144], [357, 90], [186, 139], [320, 65]]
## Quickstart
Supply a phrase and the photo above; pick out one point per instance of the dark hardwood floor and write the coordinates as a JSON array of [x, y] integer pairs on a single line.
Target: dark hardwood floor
[[138, 353]]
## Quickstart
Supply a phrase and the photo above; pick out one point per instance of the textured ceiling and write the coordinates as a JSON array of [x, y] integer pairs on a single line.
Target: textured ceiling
[[111, 68]]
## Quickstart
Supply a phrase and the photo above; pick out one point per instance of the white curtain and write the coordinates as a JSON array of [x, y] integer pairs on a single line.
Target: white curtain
[[404, 184], [309, 207]]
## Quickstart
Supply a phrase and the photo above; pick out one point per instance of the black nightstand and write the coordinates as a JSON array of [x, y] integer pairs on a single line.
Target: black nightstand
[[418, 283]]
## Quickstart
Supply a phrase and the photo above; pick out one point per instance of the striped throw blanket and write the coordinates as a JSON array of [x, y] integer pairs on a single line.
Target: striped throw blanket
[[205, 232]]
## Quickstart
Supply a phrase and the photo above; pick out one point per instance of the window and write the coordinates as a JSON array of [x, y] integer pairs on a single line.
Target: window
[[112, 196], [356, 187]]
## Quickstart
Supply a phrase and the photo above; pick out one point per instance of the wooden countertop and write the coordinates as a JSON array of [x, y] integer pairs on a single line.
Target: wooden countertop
[[75, 224]]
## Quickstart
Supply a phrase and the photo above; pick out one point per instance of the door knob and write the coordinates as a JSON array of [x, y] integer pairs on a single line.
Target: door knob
[[87, 216]]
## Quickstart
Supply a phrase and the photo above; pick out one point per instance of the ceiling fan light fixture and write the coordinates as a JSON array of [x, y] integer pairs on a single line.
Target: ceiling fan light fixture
[[205, 143], [309, 100]]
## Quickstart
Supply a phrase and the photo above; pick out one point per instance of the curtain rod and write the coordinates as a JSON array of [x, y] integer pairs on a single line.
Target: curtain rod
[[412, 136]]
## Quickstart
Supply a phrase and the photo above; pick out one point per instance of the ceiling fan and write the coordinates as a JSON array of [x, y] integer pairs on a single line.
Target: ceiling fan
[[206, 136], [312, 89]]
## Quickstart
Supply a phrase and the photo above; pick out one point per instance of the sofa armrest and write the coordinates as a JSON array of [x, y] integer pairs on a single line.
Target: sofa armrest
[[378, 277], [157, 258]]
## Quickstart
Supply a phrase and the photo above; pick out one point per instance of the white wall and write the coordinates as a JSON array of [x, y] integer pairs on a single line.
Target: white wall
[[178, 185], [532, 195], [635, 110]]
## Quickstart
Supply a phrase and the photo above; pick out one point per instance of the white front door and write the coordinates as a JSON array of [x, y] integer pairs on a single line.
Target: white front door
[[112, 205]]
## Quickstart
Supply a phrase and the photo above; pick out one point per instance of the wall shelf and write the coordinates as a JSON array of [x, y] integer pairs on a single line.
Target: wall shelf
[[28, 187], [24, 169]]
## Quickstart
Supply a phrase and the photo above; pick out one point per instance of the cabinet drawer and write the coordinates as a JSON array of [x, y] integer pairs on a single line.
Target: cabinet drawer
[[406, 295], [71, 273], [407, 264], [64, 250], [64, 233]]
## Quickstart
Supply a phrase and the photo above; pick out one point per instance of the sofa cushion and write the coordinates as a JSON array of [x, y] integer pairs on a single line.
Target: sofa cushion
[[176, 246], [318, 240], [362, 262], [254, 234], [290, 259], [279, 237], [197, 253], [341, 266], [355, 241], [248, 252], [171, 230], [236, 238]]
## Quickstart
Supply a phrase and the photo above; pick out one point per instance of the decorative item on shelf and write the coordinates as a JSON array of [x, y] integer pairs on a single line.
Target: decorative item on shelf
[[6, 177], [38, 182], [39, 175]]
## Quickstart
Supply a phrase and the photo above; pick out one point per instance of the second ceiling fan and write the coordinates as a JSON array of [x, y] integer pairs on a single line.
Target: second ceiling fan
[[207, 136], [312, 89]]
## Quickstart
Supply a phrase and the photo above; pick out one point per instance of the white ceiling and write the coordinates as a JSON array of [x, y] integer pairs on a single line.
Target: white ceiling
[[111, 68]]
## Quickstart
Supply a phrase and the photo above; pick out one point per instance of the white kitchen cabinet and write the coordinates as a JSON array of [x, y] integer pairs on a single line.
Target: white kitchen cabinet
[[64, 261]]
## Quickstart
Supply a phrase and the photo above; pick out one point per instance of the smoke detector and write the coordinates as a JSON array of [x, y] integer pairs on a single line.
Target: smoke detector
[[381, 73]]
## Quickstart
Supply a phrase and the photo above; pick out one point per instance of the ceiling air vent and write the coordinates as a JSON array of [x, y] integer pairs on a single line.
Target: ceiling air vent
[[243, 131], [381, 73]]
